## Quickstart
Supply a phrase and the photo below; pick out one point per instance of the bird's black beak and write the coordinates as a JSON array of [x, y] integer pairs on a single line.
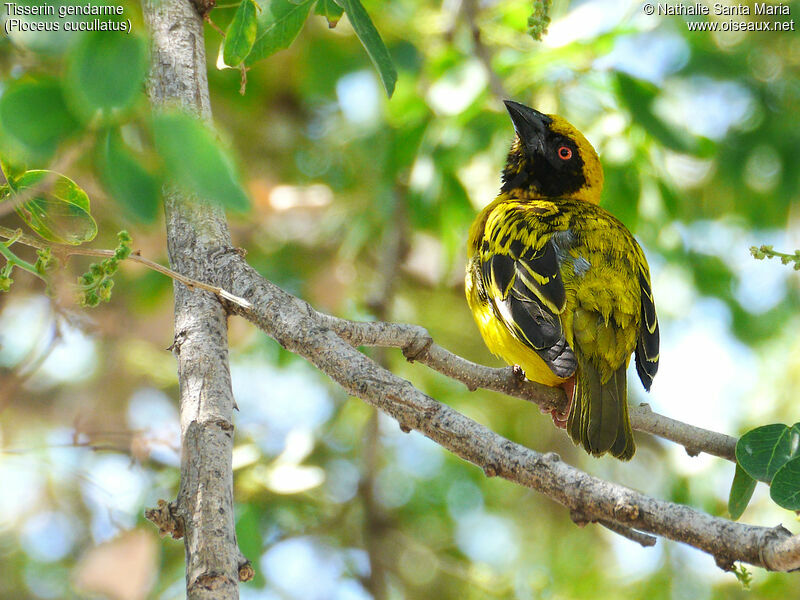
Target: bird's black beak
[[530, 124]]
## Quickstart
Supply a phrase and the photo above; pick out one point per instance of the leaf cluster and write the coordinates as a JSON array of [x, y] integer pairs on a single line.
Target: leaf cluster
[[258, 30], [770, 453], [97, 101], [767, 251], [96, 283]]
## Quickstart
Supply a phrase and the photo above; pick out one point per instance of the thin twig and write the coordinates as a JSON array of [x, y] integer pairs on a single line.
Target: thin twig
[[66, 250], [26, 240], [136, 257], [469, 9], [16, 261]]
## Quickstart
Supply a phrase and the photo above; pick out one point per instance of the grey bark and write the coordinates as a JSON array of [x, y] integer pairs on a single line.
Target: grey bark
[[195, 233]]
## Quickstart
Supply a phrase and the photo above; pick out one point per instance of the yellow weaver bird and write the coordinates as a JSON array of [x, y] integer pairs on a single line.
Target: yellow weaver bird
[[559, 286]]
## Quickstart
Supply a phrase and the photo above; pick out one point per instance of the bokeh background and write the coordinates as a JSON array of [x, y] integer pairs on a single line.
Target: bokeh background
[[361, 206]]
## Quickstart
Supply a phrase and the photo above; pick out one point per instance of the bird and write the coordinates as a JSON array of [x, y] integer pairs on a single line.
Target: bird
[[558, 286]]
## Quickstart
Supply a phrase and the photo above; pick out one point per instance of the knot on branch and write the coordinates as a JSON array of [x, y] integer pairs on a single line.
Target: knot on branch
[[490, 470], [204, 6], [724, 562], [210, 582], [165, 516], [246, 570], [177, 342], [777, 533], [551, 457], [774, 555], [579, 518], [692, 451], [626, 511], [418, 346], [223, 424]]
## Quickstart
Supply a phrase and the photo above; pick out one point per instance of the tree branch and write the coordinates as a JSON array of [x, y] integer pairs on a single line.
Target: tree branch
[[196, 232], [328, 343], [470, 11], [417, 344]]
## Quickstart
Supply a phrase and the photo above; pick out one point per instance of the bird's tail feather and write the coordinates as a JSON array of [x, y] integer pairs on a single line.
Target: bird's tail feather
[[599, 417]]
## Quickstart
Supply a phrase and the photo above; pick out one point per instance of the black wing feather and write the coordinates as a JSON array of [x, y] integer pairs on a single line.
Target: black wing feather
[[527, 286], [648, 342]]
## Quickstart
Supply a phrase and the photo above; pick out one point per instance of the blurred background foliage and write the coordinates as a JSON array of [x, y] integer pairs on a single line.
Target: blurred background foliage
[[361, 205]]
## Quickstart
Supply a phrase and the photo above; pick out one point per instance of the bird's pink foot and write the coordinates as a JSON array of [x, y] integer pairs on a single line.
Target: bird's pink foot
[[560, 419]]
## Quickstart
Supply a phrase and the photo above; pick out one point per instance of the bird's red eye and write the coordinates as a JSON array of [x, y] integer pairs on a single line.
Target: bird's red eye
[[564, 153]]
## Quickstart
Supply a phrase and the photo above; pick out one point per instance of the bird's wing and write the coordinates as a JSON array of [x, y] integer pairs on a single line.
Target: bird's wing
[[521, 276], [647, 344]]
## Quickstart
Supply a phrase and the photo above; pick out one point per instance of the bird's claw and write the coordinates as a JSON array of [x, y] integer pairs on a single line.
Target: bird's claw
[[559, 419]]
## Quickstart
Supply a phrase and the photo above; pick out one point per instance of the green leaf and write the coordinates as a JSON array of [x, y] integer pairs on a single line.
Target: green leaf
[[34, 119], [195, 158], [241, 34], [404, 143], [58, 210], [744, 576], [639, 96], [372, 42], [456, 213], [126, 179], [105, 75], [330, 10], [764, 450], [53, 41], [278, 25], [712, 275], [742, 490], [622, 193], [785, 488], [11, 169]]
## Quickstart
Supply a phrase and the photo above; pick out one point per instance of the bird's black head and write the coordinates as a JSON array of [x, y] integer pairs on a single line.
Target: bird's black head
[[550, 157]]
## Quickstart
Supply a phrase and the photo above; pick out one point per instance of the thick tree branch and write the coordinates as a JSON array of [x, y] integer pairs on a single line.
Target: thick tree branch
[[195, 233], [323, 341]]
